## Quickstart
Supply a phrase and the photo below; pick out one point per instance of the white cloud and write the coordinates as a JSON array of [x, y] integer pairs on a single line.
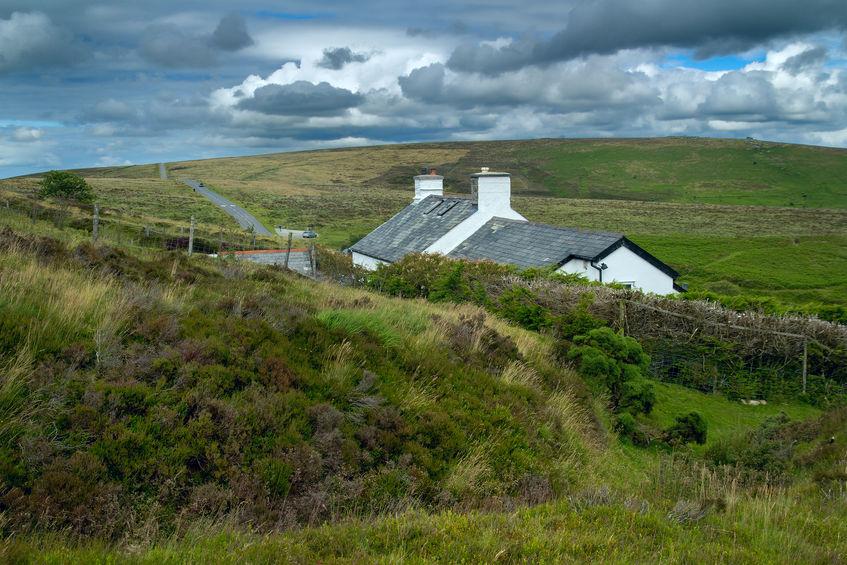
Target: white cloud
[[26, 135]]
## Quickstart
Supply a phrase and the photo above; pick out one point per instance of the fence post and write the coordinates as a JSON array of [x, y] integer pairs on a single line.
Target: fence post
[[95, 231], [313, 261], [622, 315], [253, 234], [805, 362], [220, 241], [191, 238], [288, 252]]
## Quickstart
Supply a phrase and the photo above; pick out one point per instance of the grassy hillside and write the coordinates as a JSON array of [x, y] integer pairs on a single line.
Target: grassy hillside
[[156, 408], [690, 170]]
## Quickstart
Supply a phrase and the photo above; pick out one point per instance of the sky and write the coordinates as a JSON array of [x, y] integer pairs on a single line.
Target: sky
[[85, 83]]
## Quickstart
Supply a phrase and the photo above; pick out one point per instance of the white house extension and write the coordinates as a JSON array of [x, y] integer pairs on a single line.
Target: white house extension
[[485, 226]]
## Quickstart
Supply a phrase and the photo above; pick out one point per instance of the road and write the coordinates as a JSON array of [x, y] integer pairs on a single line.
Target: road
[[244, 218], [163, 172]]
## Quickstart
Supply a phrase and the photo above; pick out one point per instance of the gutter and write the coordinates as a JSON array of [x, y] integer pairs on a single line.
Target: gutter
[[600, 268]]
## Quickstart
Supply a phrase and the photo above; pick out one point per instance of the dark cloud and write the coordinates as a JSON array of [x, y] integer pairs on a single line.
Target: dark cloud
[[454, 28], [301, 98], [810, 58], [337, 57], [607, 26], [31, 41], [424, 83], [171, 46], [231, 34]]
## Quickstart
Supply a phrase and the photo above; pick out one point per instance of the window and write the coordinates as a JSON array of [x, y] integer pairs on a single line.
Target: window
[[629, 285]]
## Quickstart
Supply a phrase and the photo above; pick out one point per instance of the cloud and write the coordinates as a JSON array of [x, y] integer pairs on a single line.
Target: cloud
[[231, 34], [454, 28], [424, 83], [30, 40], [337, 57], [608, 26], [811, 58], [171, 46], [301, 98], [27, 135]]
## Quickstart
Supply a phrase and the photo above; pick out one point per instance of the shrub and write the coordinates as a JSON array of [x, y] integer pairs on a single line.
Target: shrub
[[519, 305], [65, 186], [619, 363], [689, 428], [637, 396], [451, 287], [276, 475]]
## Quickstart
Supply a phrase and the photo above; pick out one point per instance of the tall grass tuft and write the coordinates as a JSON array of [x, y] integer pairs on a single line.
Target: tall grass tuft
[[517, 373], [19, 407], [469, 473]]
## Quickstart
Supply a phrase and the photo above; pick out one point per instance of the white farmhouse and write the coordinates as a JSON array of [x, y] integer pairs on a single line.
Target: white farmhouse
[[485, 226]]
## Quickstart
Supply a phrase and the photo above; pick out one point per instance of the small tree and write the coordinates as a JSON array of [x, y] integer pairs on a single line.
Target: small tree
[[620, 363], [66, 187], [689, 428]]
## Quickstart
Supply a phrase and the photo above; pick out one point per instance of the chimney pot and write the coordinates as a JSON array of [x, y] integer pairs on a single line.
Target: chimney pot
[[432, 171]]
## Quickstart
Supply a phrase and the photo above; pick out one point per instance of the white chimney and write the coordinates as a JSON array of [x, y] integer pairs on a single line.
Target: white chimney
[[426, 184], [493, 192]]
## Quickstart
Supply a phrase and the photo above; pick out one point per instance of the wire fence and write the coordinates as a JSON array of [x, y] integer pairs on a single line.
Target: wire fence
[[107, 226]]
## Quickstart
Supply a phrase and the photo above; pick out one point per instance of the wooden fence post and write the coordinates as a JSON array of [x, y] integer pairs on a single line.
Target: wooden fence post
[[805, 362], [95, 230], [622, 315], [191, 238], [313, 261], [288, 252]]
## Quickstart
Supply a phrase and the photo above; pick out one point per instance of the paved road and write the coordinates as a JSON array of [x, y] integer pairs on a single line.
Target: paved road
[[244, 218], [163, 172], [283, 232]]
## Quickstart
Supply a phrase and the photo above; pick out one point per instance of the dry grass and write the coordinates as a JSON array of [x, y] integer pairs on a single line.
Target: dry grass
[[58, 306], [574, 418], [469, 473], [517, 373]]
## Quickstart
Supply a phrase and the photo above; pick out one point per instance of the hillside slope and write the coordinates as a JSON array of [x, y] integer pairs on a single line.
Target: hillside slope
[[161, 408], [691, 170]]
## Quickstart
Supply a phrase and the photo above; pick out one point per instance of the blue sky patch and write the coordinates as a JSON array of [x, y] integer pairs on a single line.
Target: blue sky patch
[[724, 63]]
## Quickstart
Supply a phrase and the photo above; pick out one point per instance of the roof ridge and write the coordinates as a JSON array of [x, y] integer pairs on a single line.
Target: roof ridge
[[551, 226]]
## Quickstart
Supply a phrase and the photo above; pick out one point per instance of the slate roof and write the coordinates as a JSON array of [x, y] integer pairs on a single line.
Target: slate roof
[[527, 244], [415, 228]]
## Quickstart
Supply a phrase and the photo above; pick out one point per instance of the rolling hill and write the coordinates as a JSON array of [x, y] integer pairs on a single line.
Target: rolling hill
[[160, 408], [738, 218]]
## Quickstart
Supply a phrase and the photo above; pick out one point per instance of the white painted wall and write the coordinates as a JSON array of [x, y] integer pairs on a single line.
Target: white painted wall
[[366, 261], [493, 194], [624, 266]]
